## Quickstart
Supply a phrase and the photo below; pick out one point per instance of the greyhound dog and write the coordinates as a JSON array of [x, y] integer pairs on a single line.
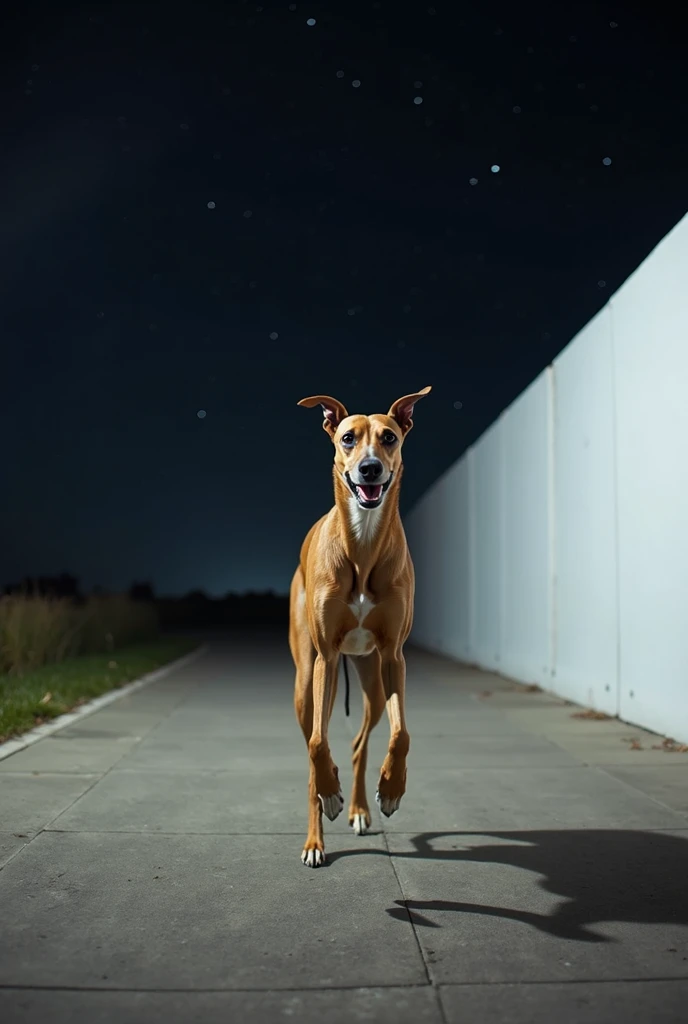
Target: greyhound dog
[[352, 594]]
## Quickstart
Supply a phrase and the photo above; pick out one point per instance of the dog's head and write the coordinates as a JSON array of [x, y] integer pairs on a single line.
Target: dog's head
[[367, 448]]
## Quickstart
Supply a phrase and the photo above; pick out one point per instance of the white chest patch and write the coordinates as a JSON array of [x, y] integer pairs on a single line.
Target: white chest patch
[[359, 640]]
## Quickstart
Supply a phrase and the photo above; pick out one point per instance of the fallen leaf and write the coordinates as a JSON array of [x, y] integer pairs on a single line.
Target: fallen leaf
[[45, 698], [635, 745], [598, 716], [670, 746]]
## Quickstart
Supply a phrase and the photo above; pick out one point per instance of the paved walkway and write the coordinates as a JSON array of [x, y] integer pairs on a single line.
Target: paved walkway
[[537, 869]]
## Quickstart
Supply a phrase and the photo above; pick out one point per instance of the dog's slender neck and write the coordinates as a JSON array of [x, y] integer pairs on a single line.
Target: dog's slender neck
[[366, 532]]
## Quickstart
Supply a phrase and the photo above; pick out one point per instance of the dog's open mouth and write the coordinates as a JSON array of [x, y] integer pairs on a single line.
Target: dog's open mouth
[[369, 495], [369, 492]]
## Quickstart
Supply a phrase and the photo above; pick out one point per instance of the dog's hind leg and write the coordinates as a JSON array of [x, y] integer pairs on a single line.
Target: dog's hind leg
[[303, 653], [328, 787], [313, 854], [369, 673]]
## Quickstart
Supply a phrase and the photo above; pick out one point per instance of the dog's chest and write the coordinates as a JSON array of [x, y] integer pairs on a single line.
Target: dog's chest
[[359, 640]]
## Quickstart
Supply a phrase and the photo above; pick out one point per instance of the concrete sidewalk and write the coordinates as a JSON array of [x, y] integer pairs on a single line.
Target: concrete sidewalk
[[537, 869]]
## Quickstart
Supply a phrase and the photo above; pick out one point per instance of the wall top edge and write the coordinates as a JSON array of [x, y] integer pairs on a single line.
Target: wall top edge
[[550, 368]]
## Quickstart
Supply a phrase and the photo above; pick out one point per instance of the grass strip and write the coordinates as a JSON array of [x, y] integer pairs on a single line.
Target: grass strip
[[30, 700]]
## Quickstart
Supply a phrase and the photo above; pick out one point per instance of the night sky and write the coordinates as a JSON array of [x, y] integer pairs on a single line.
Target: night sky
[[221, 208]]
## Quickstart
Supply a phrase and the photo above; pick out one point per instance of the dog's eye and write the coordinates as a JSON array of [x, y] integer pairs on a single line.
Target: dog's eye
[[348, 440], [388, 437]]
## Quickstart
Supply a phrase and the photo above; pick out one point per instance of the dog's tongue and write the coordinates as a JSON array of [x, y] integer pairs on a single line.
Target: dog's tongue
[[370, 492]]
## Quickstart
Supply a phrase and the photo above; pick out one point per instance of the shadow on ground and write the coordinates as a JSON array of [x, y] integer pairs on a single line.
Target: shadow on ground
[[603, 876]]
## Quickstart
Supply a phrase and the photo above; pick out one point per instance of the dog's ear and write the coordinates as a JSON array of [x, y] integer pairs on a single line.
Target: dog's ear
[[402, 410], [333, 411]]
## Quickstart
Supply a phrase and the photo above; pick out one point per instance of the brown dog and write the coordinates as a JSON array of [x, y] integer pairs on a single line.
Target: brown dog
[[353, 594]]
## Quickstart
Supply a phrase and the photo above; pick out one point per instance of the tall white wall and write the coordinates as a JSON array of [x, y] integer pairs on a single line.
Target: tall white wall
[[555, 550], [486, 510], [586, 668], [526, 569], [650, 337]]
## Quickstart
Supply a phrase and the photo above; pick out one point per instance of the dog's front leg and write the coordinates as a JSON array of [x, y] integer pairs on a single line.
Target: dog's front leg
[[326, 773], [392, 784]]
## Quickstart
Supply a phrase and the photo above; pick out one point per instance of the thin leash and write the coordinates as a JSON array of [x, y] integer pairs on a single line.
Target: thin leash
[[347, 687]]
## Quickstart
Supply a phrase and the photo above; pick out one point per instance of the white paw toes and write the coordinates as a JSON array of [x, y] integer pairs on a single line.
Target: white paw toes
[[313, 858], [332, 805], [359, 824], [387, 806]]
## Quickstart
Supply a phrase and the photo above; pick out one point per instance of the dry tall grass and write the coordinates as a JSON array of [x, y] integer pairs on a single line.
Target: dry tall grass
[[36, 631]]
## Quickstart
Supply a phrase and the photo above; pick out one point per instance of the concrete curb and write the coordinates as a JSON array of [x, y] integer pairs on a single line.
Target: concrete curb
[[41, 731]]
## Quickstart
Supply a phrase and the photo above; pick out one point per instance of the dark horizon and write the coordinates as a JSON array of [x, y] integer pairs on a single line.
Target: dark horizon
[[66, 584], [212, 211]]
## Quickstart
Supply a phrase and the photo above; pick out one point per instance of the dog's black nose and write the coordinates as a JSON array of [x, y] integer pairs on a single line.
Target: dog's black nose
[[370, 470]]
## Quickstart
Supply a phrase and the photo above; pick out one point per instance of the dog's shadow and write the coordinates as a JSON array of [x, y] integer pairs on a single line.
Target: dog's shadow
[[602, 875]]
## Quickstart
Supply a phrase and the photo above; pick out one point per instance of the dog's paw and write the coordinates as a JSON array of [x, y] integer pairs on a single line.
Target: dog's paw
[[332, 805], [388, 805], [313, 857], [360, 823]]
